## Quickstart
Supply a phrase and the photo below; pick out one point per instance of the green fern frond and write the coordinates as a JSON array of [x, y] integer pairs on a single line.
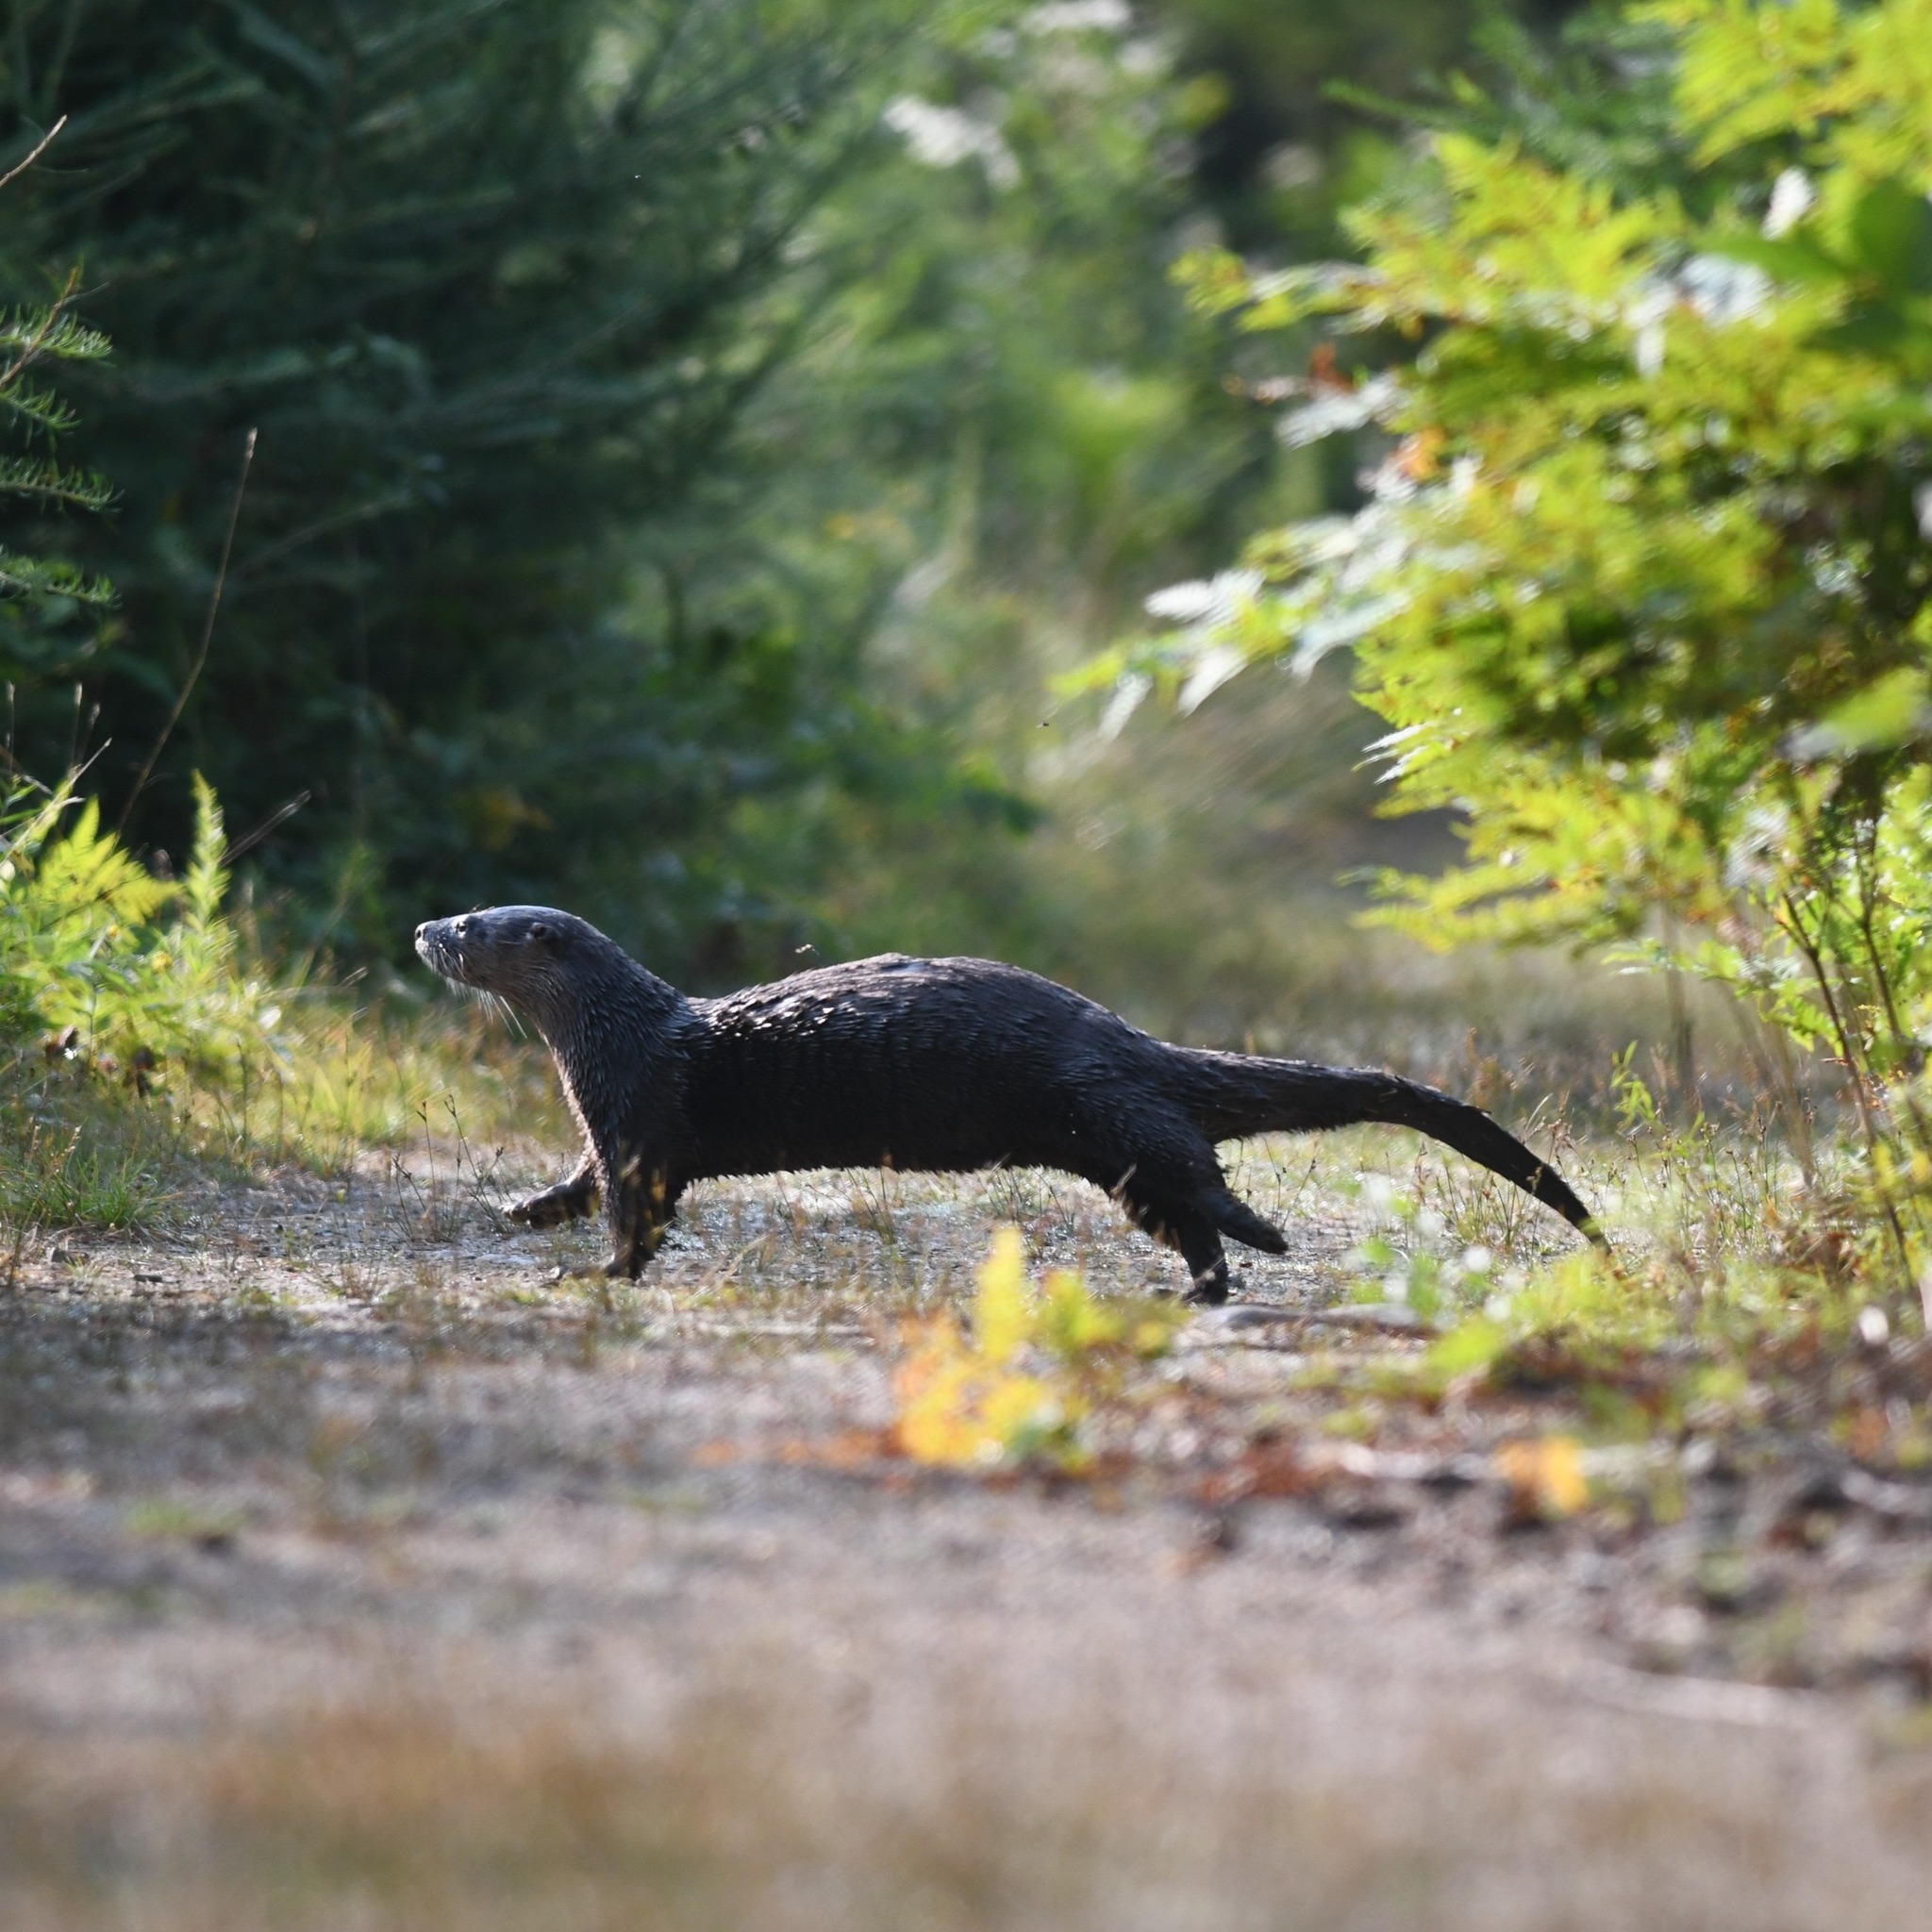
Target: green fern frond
[[36, 332], [90, 938], [205, 885], [37, 577], [89, 875], [39, 408], [52, 482]]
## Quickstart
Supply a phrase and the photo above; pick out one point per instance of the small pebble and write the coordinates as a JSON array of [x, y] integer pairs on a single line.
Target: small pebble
[[1217, 1534]]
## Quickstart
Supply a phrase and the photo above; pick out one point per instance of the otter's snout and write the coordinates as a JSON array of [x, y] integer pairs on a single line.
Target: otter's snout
[[439, 945]]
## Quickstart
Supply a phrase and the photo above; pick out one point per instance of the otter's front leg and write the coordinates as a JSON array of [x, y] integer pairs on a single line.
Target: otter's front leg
[[574, 1196], [640, 1205]]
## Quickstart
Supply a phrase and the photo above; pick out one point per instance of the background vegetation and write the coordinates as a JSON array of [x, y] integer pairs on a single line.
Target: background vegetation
[[788, 477], [1641, 585], [683, 461], [690, 439]]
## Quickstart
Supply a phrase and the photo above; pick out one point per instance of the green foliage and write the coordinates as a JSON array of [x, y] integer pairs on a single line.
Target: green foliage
[[87, 954], [681, 461], [29, 335], [59, 1173], [141, 1026], [39, 595], [1037, 1374], [114, 985], [491, 278], [1005, 430], [1641, 586]]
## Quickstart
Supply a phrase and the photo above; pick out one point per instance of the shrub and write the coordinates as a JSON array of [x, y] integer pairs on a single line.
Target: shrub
[[126, 972], [1640, 582]]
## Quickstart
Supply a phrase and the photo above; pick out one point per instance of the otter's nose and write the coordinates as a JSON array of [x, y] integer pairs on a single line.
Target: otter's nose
[[421, 930]]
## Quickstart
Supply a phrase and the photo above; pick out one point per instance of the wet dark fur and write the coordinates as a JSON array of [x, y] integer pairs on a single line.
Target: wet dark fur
[[941, 1065]]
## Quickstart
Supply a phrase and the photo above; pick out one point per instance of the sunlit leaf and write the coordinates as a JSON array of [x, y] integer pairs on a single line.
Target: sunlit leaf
[[1546, 1475]]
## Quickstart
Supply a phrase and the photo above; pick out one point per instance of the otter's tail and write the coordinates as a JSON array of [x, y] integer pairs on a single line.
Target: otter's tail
[[1231, 1095]]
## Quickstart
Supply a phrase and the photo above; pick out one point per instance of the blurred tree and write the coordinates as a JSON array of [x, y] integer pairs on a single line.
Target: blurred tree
[[691, 438], [1295, 133], [1642, 586], [485, 276], [1005, 431], [41, 596]]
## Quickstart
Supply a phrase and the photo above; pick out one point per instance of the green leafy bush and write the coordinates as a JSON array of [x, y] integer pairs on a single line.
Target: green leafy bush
[[143, 1026], [126, 971], [494, 282], [123, 1003], [1640, 581]]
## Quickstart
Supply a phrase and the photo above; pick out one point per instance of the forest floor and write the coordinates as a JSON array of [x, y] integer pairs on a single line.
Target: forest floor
[[353, 1572]]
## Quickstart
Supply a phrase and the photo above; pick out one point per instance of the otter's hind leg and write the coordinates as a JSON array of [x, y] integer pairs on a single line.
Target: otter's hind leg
[[574, 1196], [1183, 1226], [1176, 1190]]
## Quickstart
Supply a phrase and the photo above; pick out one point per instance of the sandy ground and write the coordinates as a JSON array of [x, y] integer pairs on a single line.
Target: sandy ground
[[354, 1574]]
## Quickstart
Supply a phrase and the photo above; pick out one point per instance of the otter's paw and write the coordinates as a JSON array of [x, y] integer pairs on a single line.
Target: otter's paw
[[536, 1211], [552, 1208]]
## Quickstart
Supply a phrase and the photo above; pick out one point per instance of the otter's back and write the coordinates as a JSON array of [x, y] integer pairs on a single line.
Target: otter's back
[[950, 1063]]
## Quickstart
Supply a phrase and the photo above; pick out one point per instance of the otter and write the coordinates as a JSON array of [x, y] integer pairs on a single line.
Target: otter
[[934, 1065]]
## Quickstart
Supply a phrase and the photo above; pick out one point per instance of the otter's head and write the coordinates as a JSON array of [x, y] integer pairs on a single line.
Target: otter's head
[[534, 957]]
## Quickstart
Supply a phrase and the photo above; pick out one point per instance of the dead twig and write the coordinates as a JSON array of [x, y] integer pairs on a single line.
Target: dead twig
[[208, 633]]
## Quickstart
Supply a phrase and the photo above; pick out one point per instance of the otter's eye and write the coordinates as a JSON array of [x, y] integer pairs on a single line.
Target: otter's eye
[[542, 935]]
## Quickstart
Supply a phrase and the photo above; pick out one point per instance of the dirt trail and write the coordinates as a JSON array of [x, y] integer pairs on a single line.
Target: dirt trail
[[352, 1573]]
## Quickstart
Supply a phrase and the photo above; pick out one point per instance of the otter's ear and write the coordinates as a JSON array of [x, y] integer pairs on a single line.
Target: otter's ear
[[544, 935]]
